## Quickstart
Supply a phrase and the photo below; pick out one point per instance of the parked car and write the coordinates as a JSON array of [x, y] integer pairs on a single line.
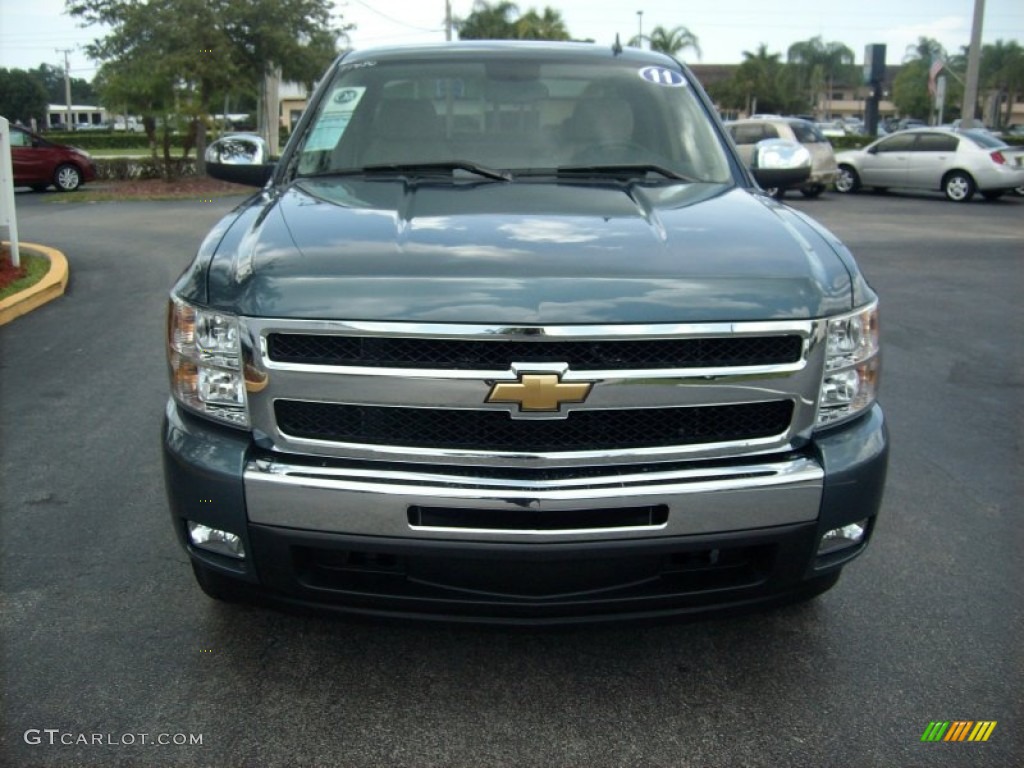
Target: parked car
[[747, 133], [909, 123], [958, 163], [38, 163], [512, 335]]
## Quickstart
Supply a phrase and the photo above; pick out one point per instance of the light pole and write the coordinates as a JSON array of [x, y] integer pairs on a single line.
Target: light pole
[[639, 29]]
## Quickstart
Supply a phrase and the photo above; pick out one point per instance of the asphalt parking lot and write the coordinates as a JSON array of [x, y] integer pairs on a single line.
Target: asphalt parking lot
[[109, 648]]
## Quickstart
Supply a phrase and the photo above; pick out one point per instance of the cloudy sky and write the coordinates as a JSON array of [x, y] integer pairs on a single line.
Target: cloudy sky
[[32, 31]]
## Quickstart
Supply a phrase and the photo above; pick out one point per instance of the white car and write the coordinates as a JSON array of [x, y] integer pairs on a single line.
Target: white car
[[958, 163]]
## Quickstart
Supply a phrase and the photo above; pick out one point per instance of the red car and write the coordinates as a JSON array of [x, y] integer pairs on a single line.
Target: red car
[[38, 163]]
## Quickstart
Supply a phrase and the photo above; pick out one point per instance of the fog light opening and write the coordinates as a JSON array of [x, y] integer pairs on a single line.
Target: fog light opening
[[215, 540], [842, 538]]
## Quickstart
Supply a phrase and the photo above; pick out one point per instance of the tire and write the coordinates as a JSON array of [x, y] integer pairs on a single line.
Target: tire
[[67, 178], [1019, 191], [217, 586], [812, 191], [958, 186], [847, 181], [993, 195]]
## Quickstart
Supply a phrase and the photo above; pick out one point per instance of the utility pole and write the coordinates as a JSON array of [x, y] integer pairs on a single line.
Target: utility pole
[[448, 20], [67, 87], [973, 65], [639, 29]]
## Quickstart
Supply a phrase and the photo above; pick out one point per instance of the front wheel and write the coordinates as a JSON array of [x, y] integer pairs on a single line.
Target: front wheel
[[67, 178], [847, 181], [958, 186]]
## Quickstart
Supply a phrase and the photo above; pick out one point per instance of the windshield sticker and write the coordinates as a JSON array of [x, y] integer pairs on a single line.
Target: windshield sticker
[[662, 76], [334, 119]]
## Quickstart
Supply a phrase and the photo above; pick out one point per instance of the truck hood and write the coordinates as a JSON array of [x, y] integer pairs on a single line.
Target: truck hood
[[524, 252]]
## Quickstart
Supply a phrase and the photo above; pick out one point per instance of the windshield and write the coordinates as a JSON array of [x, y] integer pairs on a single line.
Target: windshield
[[505, 116]]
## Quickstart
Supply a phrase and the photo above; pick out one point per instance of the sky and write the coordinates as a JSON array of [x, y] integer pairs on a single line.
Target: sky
[[36, 31]]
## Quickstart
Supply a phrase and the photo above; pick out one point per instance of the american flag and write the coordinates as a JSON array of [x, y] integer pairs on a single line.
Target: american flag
[[937, 65]]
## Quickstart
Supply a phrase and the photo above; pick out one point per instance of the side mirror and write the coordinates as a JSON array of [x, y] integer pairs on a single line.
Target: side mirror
[[780, 163], [240, 159]]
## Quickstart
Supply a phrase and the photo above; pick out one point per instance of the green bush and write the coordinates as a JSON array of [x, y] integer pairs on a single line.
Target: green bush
[[127, 168], [101, 140]]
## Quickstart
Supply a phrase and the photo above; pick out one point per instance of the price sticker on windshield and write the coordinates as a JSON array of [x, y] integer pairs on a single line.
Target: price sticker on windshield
[[662, 76]]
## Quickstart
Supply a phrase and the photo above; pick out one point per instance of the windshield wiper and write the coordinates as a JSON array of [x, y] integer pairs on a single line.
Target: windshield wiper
[[419, 168], [627, 170]]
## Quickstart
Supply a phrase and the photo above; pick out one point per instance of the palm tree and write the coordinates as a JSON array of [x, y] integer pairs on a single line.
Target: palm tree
[[489, 22], [549, 26], [670, 41], [926, 49], [757, 79], [1002, 70], [819, 63]]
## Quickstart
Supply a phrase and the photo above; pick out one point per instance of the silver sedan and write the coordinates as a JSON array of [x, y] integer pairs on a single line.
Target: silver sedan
[[959, 163]]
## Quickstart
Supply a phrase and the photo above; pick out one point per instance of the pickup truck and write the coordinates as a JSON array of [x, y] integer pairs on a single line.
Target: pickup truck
[[510, 334]]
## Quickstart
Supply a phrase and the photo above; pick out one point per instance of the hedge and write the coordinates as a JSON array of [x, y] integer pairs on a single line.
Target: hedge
[[126, 168], [101, 140]]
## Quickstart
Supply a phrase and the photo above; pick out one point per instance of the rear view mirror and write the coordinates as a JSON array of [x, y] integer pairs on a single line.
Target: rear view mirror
[[241, 159], [780, 163]]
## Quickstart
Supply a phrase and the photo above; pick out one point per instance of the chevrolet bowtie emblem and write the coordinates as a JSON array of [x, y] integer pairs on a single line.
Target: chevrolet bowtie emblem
[[539, 392]]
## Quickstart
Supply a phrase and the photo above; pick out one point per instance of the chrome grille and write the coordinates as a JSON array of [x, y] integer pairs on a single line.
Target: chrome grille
[[418, 392]]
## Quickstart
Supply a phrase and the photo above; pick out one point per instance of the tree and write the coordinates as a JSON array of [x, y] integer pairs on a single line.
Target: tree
[[52, 79], [925, 49], [670, 41], [910, 90], [817, 65], [534, 26], [176, 55], [489, 22], [22, 97], [762, 83], [910, 87], [1002, 72], [501, 21]]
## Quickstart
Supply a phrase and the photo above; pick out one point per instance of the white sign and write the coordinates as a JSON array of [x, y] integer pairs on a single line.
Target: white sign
[[8, 220]]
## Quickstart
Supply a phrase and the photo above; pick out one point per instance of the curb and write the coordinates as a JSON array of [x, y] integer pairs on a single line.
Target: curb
[[49, 288]]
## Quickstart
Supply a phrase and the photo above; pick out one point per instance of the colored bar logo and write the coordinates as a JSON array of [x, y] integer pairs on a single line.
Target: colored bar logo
[[958, 730]]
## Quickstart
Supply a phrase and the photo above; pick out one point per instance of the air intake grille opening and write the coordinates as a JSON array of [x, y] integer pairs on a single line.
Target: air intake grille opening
[[496, 430], [499, 354], [537, 520]]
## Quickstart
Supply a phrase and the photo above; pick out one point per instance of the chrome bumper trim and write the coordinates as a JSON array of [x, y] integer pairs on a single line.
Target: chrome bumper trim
[[373, 502]]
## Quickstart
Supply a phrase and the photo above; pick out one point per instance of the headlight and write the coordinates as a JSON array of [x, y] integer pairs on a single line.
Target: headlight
[[852, 366], [205, 356]]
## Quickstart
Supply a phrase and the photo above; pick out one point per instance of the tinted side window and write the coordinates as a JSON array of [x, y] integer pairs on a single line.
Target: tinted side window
[[898, 143], [806, 133], [936, 142], [746, 133], [20, 139]]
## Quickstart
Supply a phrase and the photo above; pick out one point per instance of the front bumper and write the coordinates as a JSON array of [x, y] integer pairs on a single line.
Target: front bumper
[[393, 540]]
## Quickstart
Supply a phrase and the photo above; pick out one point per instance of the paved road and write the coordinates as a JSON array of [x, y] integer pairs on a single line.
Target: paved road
[[104, 632]]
